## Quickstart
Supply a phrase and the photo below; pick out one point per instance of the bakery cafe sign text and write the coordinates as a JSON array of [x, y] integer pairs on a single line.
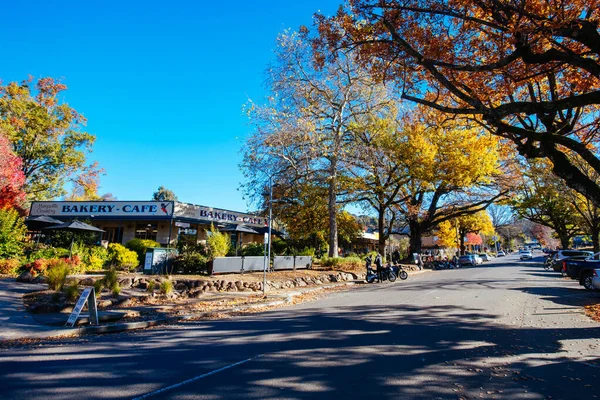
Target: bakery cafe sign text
[[103, 208], [214, 214]]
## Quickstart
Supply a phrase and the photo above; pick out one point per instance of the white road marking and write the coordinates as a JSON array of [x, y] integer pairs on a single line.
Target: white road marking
[[145, 396]]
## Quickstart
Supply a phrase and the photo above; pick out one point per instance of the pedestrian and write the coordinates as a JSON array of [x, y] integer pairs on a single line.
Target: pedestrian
[[379, 265]]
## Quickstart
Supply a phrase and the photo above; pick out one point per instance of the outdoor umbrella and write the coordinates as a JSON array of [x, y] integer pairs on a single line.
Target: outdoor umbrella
[[239, 229], [40, 222], [74, 227]]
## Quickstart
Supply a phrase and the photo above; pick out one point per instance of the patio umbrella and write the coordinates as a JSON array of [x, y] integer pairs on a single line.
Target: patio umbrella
[[74, 227], [40, 222]]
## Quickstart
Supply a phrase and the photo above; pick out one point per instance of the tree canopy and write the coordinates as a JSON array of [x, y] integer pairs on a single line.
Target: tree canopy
[[528, 71], [46, 134], [164, 194]]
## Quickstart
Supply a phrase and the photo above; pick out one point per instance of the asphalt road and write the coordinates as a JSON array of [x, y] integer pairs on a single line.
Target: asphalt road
[[507, 330]]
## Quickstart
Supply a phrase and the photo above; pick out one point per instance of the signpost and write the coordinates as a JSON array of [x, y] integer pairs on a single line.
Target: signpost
[[93, 310]]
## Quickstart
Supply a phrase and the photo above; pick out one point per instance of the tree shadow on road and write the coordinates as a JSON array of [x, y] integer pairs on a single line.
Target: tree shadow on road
[[405, 352]]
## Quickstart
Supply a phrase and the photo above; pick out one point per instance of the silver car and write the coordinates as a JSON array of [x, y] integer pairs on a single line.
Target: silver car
[[596, 279]]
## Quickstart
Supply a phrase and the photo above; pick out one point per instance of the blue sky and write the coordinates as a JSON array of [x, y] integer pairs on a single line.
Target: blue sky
[[162, 84]]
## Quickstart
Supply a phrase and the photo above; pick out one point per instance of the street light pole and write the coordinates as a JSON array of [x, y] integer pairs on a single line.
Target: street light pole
[[268, 259]]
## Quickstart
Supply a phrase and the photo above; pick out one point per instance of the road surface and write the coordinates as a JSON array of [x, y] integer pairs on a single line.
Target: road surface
[[507, 330]]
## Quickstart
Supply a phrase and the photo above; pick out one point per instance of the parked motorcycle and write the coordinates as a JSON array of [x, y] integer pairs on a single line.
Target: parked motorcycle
[[389, 272]]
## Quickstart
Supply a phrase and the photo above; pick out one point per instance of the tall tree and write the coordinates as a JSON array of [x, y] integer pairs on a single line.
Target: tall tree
[[304, 132], [542, 199], [46, 134], [12, 178], [454, 171], [164, 194], [528, 71], [86, 184]]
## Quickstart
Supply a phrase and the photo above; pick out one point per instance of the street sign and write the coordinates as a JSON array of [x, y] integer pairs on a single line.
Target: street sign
[[79, 306]]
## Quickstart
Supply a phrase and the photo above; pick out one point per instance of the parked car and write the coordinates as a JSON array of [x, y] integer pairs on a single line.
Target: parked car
[[467, 259], [596, 279], [501, 253], [560, 255], [525, 255], [582, 270], [485, 257]]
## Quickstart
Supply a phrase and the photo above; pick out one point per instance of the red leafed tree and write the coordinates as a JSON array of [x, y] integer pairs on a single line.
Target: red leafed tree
[[12, 178], [474, 238]]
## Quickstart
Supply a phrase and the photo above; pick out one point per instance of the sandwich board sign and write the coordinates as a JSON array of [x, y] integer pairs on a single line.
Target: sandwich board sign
[[93, 310]]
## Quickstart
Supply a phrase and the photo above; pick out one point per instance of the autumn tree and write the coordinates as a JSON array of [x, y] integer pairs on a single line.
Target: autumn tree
[[452, 233], [12, 178], [301, 210], [86, 184], [454, 170], [46, 134], [528, 71], [377, 171], [164, 194], [303, 134], [543, 199]]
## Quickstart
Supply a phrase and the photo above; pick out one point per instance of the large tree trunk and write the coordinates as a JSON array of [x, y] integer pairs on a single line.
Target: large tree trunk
[[332, 207], [415, 236], [461, 238], [564, 239], [381, 227], [595, 240]]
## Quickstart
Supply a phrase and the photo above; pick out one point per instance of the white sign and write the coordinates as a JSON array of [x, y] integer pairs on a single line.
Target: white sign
[[192, 211], [182, 224], [79, 306], [103, 208], [148, 261]]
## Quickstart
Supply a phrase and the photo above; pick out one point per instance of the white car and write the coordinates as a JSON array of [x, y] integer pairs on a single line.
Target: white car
[[525, 255], [501, 253], [485, 257], [478, 260]]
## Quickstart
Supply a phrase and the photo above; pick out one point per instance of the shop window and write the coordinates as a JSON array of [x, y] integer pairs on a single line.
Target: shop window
[[113, 235], [146, 231]]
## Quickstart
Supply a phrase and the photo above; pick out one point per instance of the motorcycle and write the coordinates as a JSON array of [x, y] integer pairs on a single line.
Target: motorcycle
[[389, 272]]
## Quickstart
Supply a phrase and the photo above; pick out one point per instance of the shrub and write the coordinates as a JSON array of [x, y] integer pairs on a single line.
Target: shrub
[[121, 257], [307, 251], [342, 262], [218, 243], [56, 274], [48, 253], [72, 291], [12, 233], [253, 249], [116, 290], [38, 266], [10, 266], [140, 246], [93, 258], [151, 286], [110, 279], [98, 286], [190, 262], [166, 287]]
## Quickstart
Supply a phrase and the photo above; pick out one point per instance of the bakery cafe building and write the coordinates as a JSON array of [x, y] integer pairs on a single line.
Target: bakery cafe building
[[163, 221]]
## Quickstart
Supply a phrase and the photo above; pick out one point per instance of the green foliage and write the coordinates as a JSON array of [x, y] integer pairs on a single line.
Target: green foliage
[[9, 266], [116, 290], [252, 249], [56, 274], [98, 286], [166, 287], [12, 233], [48, 253], [342, 262], [307, 251], [72, 291], [46, 135], [190, 263], [121, 257], [93, 258], [151, 286], [111, 281], [218, 243], [140, 246], [164, 194]]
